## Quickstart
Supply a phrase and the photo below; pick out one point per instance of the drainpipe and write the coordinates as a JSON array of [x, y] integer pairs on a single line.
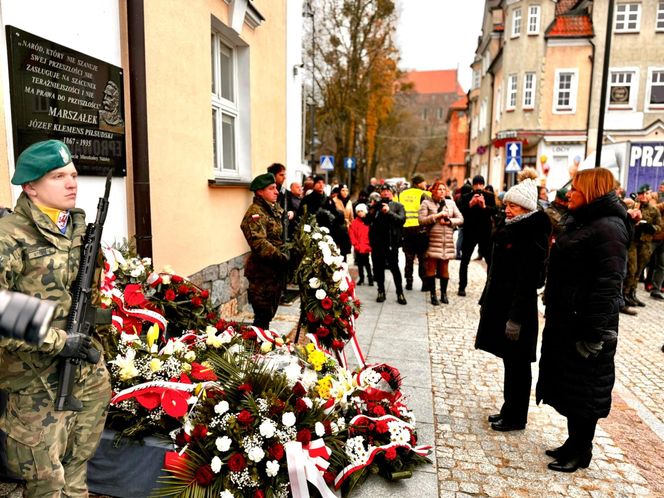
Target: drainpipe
[[139, 127]]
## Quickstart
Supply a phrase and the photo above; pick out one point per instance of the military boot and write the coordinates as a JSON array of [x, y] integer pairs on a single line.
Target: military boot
[[636, 300], [443, 290], [629, 302]]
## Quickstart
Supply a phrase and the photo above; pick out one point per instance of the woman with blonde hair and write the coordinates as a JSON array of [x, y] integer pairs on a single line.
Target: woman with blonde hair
[[441, 214], [583, 298]]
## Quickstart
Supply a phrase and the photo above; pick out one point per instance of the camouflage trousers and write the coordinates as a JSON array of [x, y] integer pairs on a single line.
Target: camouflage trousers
[[51, 449], [264, 295], [638, 256]]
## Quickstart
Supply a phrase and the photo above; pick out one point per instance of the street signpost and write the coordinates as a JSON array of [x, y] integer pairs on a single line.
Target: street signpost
[[327, 164], [350, 164], [513, 158]]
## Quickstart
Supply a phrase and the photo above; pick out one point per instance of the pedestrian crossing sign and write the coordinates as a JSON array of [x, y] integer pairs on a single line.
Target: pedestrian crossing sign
[[327, 163]]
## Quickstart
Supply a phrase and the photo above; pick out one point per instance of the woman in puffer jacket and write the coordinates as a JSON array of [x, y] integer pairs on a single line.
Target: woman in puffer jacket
[[441, 214]]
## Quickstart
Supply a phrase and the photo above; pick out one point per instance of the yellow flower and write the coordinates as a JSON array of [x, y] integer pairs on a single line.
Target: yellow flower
[[266, 347], [317, 360], [323, 386], [155, 364], [152, 335], [310, 347]]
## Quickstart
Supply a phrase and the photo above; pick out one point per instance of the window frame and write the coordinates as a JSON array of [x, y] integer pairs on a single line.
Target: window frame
[[516, 22], [659, 17], [648, 106], [633, 85], [625, 29], [529, 91], [533, 14], [511, 90], [573, 90]]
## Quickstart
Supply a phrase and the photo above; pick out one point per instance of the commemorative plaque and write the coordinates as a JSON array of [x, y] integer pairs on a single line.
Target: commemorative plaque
[[58, 92]]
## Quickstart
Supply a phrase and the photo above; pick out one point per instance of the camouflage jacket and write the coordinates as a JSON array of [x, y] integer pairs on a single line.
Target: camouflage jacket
[[650, 214], [36, 259], [262, 227]]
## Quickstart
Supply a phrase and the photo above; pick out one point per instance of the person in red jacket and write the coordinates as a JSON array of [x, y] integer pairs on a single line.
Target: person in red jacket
[[359, 238]]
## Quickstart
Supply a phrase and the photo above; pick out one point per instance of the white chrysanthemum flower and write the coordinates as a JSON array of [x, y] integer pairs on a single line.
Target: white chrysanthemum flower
[[316, 236], [288, 419], [221, 407], [126, 365], [267, 429], [169, 348], [292, 373], [314, 283], [324, 229], [137, 272], [272, 468], [307, 228], [128, 338], [328, 259], [226, 494], [321, 294], [215, 464], [337, 276], [320, 429], [338, 260], [309, 378], [255, 454], [223, 443], [343, 285], [190, 356]]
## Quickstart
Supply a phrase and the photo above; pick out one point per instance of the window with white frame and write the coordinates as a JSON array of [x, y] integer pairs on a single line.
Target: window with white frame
[[564, 99], [623, 87], [510, 103], [655, 90], [533, 19], [476, 78], [529, 90], [628, 17], [516, 22], [230, 103], [659, 26]]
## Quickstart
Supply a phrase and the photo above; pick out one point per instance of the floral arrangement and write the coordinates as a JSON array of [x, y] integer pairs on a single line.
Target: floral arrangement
[[327, 292], [249, 414]]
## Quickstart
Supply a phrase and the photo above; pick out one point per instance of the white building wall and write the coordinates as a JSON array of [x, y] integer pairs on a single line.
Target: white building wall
[[90, 27]]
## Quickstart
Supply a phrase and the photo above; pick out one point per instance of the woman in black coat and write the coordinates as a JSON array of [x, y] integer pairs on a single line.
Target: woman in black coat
[[583, 299], [508, 318]]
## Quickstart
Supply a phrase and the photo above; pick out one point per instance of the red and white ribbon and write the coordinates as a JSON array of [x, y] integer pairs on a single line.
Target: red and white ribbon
[[302, 467], [143, 314]]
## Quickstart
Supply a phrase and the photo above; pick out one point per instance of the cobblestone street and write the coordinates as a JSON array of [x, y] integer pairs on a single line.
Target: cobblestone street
[[473, 460]]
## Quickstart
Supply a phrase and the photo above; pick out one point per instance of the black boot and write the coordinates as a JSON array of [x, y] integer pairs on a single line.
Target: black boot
[[571, 463], [370, 277], [431, 281], [636, 300], [629, 302], [443, 290], [381, 296]]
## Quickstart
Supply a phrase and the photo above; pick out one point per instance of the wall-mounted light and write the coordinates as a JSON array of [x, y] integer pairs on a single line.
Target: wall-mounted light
[[296, 68]]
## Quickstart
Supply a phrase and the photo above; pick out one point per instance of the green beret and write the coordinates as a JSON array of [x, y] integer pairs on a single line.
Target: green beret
[[262, 181], [643, 188], [40, 158]]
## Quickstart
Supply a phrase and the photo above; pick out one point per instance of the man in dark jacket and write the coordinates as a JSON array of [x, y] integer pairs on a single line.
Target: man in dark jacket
[[478, 208], [262, 227], [386, 221]]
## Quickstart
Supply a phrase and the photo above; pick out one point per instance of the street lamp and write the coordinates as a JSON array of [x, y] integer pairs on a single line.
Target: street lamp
[[309, 12]]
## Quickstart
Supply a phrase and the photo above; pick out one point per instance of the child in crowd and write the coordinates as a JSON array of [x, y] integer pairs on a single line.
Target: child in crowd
[[359, 237]]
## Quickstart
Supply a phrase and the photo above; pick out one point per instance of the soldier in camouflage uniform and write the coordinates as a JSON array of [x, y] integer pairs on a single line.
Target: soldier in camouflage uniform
[[640, 249], [262, 227], [39, 255]]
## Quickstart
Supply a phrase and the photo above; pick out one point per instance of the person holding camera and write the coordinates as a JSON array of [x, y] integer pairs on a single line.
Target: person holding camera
[[263, 229], [478, 208], [440, 215], [647, 222], [40, 252], [386, 219]]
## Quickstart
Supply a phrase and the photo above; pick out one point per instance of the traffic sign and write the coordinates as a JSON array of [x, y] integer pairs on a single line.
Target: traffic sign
[[513, 159], [349, 163], [327, 163]]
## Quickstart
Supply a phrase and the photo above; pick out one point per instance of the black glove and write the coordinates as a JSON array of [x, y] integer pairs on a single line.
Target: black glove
[[512, 330], [77, 346]]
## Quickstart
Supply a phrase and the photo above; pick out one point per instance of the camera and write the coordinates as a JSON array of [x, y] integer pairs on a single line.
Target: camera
[[24, 317]]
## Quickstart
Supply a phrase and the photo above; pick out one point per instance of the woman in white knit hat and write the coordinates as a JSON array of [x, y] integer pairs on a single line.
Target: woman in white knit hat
[[508, 317]]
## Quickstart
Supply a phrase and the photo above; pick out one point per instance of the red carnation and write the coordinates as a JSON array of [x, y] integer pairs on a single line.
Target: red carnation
[[205, 293], [391, 453], [357, 303], [299, 390], [245, 388], [379, 411], [196, 301], [277, 407], [304, 436], [200, 431], [328, 476], [347, 310], [183, 289], [211, 316], [326, 303], [133, 295], [301, 406], [245, 417], [236, 463], [328, 426], [381, 427], [276, 451], [343, 297], [328, 319], [221, 325], [177, 279], [311, 317], [322, 332], [249, 334], [202, 373], [337, 344], [259, 493], [181, 439], [169, 295]]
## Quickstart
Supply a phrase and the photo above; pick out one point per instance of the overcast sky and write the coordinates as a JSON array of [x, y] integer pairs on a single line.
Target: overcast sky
[[439, 34]]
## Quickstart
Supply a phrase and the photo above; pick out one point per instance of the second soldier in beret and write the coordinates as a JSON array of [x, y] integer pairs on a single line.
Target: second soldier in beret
[[262, 227]]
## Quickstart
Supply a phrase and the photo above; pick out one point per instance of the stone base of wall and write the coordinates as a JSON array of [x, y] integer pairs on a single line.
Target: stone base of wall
[[227, 285]]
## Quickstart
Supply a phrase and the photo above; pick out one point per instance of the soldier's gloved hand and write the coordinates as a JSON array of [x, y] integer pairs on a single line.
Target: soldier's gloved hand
[[512, 330], [76, 346]]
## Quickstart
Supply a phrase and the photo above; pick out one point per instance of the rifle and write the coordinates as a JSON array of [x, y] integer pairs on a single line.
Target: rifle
[[83, 315]]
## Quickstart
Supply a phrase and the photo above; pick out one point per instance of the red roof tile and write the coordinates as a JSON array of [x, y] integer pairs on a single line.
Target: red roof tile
[[565, 6], [428, 82], [572, 26]]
